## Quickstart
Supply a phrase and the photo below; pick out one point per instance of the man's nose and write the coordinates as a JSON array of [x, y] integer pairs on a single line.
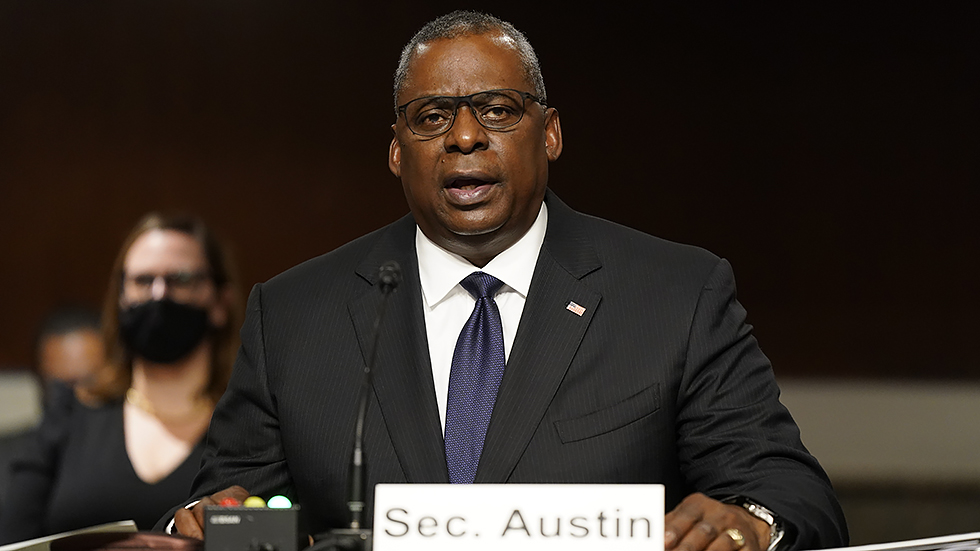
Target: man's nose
[[467, 134]]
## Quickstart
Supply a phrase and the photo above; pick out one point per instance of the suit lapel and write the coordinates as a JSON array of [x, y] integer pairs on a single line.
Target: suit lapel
[[403, 375], [547, 339]]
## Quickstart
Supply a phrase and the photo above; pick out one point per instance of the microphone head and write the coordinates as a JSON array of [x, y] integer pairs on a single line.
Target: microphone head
[[389, 276]]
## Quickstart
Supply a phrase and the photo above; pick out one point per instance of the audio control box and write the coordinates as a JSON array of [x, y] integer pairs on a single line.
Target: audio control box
[[250, 529]]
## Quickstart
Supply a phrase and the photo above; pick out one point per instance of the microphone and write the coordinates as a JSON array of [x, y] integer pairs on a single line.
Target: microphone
[[355, 537], [389, 276]]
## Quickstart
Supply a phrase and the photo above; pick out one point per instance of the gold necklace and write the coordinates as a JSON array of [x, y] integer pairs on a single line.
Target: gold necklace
[[137, 399]]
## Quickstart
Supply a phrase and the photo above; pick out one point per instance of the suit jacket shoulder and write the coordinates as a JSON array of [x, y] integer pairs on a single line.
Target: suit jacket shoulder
[[621, 261], [335, 270]]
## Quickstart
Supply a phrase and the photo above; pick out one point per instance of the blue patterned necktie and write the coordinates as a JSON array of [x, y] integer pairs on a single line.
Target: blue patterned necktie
[[478, 366]]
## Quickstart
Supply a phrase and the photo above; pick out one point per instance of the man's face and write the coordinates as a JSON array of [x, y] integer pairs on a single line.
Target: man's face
[[72, 357], [473, 191]]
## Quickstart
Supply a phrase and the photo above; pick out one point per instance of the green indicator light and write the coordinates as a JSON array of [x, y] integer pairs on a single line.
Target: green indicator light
[[279, 502]]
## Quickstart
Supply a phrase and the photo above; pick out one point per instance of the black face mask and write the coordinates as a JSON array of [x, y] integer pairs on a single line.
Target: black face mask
[[162, 331]]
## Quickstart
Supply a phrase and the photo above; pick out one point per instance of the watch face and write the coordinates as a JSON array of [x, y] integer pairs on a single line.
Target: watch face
[[776, 530], [760, 512]]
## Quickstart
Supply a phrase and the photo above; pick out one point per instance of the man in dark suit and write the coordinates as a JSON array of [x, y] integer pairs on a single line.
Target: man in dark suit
[[627, 357]]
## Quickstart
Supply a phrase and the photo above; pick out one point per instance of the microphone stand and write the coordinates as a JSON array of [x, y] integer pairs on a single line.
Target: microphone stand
[[355, 537]]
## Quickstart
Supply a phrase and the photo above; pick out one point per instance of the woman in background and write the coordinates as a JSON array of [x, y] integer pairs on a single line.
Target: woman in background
[[170, 323]]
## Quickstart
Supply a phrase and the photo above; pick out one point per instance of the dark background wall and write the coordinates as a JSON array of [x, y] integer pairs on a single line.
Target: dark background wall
[[830, 152]]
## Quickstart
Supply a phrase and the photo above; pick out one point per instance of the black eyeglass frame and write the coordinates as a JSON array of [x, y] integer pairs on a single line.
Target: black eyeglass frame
[[184, 280], [468, 99]]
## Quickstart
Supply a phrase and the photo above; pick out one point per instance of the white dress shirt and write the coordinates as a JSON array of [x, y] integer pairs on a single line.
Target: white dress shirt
[[447, 305]]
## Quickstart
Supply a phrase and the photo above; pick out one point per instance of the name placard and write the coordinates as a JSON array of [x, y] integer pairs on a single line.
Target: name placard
[[444, 517]]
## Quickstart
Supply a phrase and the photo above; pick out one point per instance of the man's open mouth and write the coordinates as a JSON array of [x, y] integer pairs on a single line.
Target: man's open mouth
[[467, 191], [467, 184]]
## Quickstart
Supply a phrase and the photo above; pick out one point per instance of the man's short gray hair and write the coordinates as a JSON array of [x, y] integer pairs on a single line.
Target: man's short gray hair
[[466, 23]]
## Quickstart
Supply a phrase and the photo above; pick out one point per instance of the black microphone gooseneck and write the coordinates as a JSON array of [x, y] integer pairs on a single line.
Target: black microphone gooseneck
[[355, 537], [389, 276]]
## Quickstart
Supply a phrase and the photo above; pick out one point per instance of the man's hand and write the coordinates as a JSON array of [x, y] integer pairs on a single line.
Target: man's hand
[[701, 523], [190, 522]]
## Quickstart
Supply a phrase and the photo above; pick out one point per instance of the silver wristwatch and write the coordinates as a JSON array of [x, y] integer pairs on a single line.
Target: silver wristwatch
[[759, 511]]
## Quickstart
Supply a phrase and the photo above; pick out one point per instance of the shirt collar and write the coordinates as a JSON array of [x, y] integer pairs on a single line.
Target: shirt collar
[[440, 270]]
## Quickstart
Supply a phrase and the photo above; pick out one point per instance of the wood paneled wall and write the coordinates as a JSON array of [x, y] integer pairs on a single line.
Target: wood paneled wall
[[830, 154]]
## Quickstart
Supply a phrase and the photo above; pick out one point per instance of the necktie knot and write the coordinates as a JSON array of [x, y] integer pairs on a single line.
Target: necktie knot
[[481, 285]]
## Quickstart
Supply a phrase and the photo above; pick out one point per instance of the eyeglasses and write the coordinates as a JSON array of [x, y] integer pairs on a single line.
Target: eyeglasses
[[177, 283], [494, 109]]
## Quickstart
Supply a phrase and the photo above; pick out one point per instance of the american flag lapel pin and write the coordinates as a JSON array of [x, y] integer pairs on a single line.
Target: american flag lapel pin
[[575, 308]]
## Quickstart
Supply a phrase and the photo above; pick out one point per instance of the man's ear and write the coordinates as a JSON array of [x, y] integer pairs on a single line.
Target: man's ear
[[552, 134], [395, 155]]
